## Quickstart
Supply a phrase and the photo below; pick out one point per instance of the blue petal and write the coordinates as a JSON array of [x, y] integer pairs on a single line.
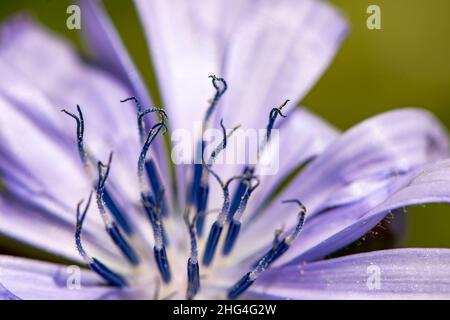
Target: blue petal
[[34, 280], [403, 274]]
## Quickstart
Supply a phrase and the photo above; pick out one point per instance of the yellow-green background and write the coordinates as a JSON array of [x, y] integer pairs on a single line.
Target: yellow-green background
[[406, 63]]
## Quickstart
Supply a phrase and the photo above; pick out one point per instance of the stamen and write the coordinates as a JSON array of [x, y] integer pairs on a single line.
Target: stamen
[[141, 162], [193, 269], [279, 247], [250, 169], [219, 93], [153, 206], [202, 205], [156, 184], [95, 265], [162, 263], [109, 201], [240, 191], [235, 224], [198, 191], [217, 227], [150, 167], [117, 213], [80, 134], [221, 146], [274, 113], [110, 225], [203, 189], [141, 114]]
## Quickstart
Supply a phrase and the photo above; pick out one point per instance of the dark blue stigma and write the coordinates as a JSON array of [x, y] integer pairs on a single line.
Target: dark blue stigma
[[109, 201], [274, 113], [162, 263], [94, 264]]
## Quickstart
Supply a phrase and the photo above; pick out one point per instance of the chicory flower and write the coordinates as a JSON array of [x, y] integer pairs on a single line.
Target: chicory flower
[[164, 239]]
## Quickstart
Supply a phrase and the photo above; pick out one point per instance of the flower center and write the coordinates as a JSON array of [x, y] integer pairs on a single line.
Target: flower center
[[154, 203]]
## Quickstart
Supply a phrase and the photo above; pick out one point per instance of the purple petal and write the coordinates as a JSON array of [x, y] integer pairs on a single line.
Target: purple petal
[[31, 53], [278, 53], [30, 279], [38, 160], [39, 228], [360, 168], [425, 185], [404, 274]]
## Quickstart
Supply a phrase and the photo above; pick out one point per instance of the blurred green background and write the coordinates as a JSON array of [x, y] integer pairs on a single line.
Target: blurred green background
[[406, 63]]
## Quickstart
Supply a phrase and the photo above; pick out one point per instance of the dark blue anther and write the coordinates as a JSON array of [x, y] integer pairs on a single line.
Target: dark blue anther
[[149, 206], [117, 213], [198, 171], [230, 240], [211, 244], [193, 269], [196, 196], [240, 191], [193, 273], [123, 245], [106, 273], [111, 226], [242, 285], [202, 204], [110, 203], [277, 251], [162, 263], [155, 182], [95, 265]]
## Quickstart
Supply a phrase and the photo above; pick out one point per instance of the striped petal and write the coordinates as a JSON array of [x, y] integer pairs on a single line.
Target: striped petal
[[388, 274]]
